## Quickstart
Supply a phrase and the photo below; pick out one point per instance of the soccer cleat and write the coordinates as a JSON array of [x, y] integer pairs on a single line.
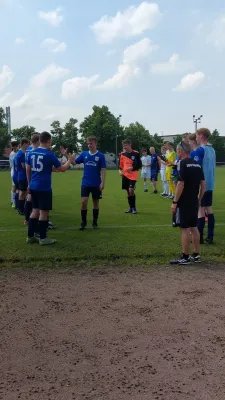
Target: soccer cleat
[[146, 190], [25, 222], [13, 206], [83, 226], [51, 227], [181, 261], [46, 241], [209, 241], [95, 225], [155, 192], [129, 211], [196, 259], [31, 240], [134, 211], [20, 212]]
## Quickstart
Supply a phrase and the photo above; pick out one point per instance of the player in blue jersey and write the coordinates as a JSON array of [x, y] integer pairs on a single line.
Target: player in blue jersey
[[154, 169], [11, 163], [40, 164], [93, 181], [16, 183], [207, 158], [35, 142], [21, 171]]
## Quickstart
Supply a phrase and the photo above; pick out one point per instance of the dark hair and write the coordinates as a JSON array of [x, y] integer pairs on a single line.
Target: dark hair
[[24, 141], [14, 144], [127, 141], [144, 150], [92, 139], [35, 138], [204, 132], [192, 137], [45, 137], [170, 144]]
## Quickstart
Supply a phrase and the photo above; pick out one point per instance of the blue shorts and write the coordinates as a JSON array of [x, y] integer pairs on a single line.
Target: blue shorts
[[16, 184], [154, 175], [41, 200], [207, 199], [23, 185], [94, 190]]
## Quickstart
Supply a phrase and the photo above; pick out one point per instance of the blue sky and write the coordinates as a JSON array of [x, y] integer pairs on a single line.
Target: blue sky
[[156, 63]]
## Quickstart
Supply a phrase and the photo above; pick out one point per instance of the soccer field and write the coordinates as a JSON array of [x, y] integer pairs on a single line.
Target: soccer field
[[144, 238]]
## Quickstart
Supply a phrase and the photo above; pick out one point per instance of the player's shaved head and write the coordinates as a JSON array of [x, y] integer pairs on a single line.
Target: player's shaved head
[[45, 137]]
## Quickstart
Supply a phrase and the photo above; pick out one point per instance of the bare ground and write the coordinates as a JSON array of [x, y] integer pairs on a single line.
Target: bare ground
[[113, 335]]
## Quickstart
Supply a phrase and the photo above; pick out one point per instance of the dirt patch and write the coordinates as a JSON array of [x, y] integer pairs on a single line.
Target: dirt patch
[[129, 335]]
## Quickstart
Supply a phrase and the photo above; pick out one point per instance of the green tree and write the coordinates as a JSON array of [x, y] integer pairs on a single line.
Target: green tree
[[138, 134], [57, 136], [4, 137], [218, 143], [177, 140], [25, 131], [70, 137], [105, 126]]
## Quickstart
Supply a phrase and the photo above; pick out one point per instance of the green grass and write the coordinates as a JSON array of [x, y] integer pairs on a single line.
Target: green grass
[[120, 237]]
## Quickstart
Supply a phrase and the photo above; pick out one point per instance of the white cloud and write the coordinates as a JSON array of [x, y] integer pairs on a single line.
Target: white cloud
[[72, 87], [53, 45], [26, 101], [172, 65], [50, 74], [190, 81], [49, 117], [4, 99], [31, 117], [54, 17], [6, 77], [19, 41], [132, 22], [217, 35], [129, 68]]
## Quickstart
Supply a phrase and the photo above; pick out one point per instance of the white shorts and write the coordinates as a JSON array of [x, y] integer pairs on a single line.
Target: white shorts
[[163, 175], [146, 175]]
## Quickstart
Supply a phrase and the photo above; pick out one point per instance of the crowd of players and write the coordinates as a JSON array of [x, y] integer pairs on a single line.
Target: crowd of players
[[187, 176]]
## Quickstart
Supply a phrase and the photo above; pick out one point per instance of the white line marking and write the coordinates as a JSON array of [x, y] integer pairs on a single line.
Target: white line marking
[[74, 228]]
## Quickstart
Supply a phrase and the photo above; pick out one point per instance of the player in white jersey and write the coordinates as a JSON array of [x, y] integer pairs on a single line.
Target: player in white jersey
[[146, 168], [11, 158], [162, 161]]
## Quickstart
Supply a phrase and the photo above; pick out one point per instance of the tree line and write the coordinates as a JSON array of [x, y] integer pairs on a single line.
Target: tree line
[[103, 124]]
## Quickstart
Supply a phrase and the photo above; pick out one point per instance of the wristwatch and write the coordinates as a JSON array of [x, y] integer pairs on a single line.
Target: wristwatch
[[175, 202]]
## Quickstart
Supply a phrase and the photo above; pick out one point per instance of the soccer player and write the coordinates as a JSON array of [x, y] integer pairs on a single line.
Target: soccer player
[[154, 169], [162, 163], [93, 181], [35, 142], [171, 158], [11, 163], [21, 171], [146, 168], [40, 164], [205, 156], [129, 165], [189, 193]]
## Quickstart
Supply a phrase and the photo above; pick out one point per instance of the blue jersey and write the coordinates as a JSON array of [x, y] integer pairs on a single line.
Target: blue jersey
[[93, 163], [154, 163], [41, 162], [19, 160], [15, 172], [30, 148], [209, 166], [198, 155]]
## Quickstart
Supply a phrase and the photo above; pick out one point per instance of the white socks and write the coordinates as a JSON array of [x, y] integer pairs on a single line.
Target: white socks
[[13, 195]]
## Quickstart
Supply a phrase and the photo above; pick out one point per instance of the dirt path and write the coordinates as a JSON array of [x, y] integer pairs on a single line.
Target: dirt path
[[113, 336]]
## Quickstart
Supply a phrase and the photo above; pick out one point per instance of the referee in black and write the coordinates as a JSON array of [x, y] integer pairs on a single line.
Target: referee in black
[[189, 192]]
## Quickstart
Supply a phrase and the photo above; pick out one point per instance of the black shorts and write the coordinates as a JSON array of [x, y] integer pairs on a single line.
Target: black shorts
[[128, 183], [23, 185], [207, 199], [154, 176], [186, 217], [41, 200], [93, 190], [16, 184]]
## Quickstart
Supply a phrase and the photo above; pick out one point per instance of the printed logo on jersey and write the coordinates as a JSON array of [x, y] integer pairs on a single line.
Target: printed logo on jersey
[[91, 163], [96, 158]]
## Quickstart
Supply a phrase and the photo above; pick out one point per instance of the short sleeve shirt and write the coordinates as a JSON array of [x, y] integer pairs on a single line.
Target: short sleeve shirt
[[93, 164], [190, 172]]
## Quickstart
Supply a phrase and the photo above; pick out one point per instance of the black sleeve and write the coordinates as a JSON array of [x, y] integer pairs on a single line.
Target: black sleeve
[[182, 172], [137, 164]]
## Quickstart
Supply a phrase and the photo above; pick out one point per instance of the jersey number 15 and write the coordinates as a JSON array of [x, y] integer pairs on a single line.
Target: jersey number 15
[[37, 164]]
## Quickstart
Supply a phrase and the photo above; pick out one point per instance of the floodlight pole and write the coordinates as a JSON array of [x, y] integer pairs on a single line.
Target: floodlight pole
[[197, 121]]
